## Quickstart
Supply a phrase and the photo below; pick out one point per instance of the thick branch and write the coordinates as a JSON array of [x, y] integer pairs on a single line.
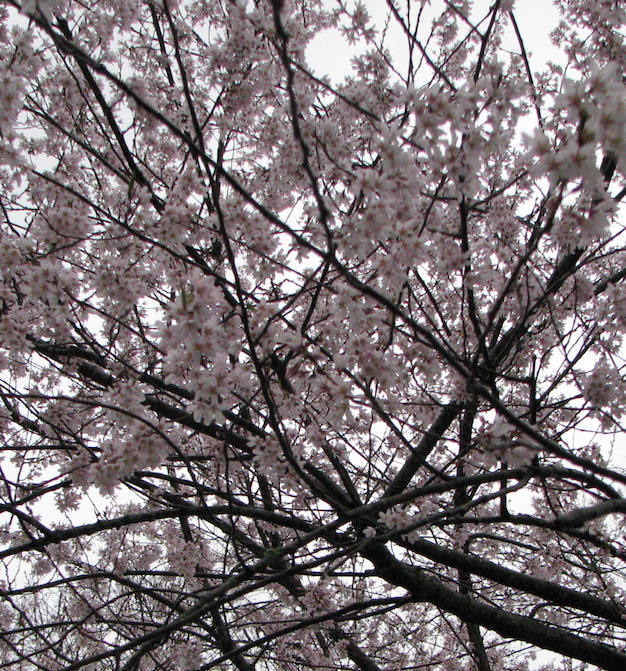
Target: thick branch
[[425, 588]]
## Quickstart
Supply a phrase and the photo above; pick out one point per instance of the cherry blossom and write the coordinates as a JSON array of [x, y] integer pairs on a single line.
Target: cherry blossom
[[304, 369]]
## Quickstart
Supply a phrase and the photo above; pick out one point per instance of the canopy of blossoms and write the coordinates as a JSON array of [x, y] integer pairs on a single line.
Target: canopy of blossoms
[[301, 373]]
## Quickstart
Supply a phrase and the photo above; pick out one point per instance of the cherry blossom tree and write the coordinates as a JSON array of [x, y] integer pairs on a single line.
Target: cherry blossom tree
[[311, 373]]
